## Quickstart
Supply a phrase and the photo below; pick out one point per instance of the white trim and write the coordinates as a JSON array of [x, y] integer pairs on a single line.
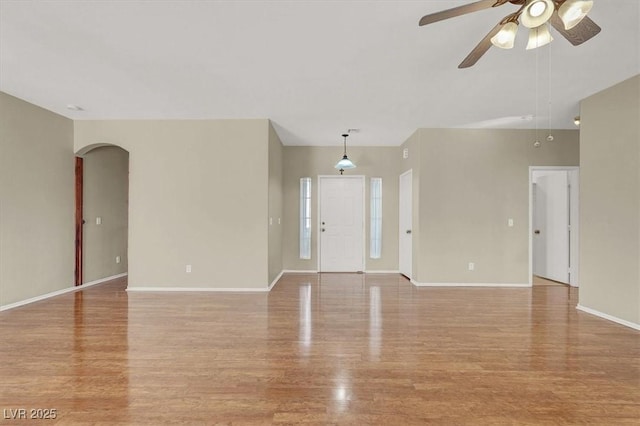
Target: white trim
[[364, 217], [498, 285], [60, 292], [608, 317], [198, 289], [299, 271], [407, 172], [575, 226], [273, 283], [102, 280], [382, 271]]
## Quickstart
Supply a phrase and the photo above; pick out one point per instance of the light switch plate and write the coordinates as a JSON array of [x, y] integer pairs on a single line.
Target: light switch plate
[[98, 220]]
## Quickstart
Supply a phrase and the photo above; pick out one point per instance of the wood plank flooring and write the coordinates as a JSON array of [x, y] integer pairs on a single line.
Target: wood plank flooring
[[319, 349]]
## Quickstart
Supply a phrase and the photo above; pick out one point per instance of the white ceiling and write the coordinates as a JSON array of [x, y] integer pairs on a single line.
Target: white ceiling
[[316, 68]]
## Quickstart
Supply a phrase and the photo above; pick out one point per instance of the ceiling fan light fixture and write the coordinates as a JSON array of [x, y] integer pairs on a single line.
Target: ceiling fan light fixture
[[506, 37], [573, 11], [537, 12], [539, 37]]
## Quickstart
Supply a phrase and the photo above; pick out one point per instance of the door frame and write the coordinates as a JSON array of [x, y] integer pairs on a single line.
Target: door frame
[[408, 172], [574, 215], [364, 217], [79, 220]]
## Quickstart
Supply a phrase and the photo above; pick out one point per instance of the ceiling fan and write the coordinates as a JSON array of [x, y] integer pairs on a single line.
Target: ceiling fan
[[568, 17]]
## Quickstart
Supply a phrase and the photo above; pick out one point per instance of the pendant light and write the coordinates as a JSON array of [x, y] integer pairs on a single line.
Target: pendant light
[[345, 163]]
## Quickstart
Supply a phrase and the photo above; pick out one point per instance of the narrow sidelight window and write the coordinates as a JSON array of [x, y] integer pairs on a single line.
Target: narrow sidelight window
[[305, 218], [375, 234]]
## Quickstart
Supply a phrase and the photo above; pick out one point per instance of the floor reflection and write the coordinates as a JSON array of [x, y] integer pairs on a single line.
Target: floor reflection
[[305, 319], [375, 322], [99, 327]]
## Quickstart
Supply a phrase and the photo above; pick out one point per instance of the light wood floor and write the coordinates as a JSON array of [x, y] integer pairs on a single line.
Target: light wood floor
[[324, 349]]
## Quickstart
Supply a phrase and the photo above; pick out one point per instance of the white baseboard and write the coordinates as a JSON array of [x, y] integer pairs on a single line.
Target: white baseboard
[[59, 292], [199, 289], [608, 317], [209, 289], [274, 282], [381, 272], [298, 271], [494, 285], [100, 281]]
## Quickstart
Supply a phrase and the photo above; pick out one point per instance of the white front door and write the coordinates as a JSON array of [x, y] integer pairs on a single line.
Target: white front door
[[405, 252], [551, 227], [341, 224]]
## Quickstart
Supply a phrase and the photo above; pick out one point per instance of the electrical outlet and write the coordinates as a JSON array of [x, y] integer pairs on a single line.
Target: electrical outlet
[[270, 221], [279, 221], [510, 223], [472, 266], [98, 220], [117, 259], [188, 269]]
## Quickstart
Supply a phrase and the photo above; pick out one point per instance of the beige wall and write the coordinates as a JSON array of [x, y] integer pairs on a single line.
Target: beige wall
[[106, 191], [470, 183], [610, 197], [198, 195], [371, 162], [275, 204], [36, 201]]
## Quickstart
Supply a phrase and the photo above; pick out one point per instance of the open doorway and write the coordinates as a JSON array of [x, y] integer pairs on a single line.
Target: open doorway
[[553, 225], [102, 214]]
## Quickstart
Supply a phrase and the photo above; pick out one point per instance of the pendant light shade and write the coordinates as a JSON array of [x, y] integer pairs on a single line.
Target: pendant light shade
[[345, 163], [506, 37], [539, 37], [537, 12], [573, 11]]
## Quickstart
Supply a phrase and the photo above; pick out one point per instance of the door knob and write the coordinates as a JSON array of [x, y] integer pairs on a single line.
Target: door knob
[[408, 231], [322, 229], [537, 231]]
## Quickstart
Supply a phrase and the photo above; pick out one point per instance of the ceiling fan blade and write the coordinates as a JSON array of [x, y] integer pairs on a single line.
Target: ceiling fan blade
[[480, 49], [585, 30], [460, 10]]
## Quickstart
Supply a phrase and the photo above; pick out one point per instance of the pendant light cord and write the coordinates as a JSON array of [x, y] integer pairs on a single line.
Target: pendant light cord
[[345, 144]]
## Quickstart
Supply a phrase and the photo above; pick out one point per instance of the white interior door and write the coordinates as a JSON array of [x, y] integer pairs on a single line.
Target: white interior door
[[341, 224], [551, 227], [539, 238], [405, 239]]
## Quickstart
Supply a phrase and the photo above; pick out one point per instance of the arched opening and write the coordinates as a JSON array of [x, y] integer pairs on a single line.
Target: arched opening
[[102, 213]]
